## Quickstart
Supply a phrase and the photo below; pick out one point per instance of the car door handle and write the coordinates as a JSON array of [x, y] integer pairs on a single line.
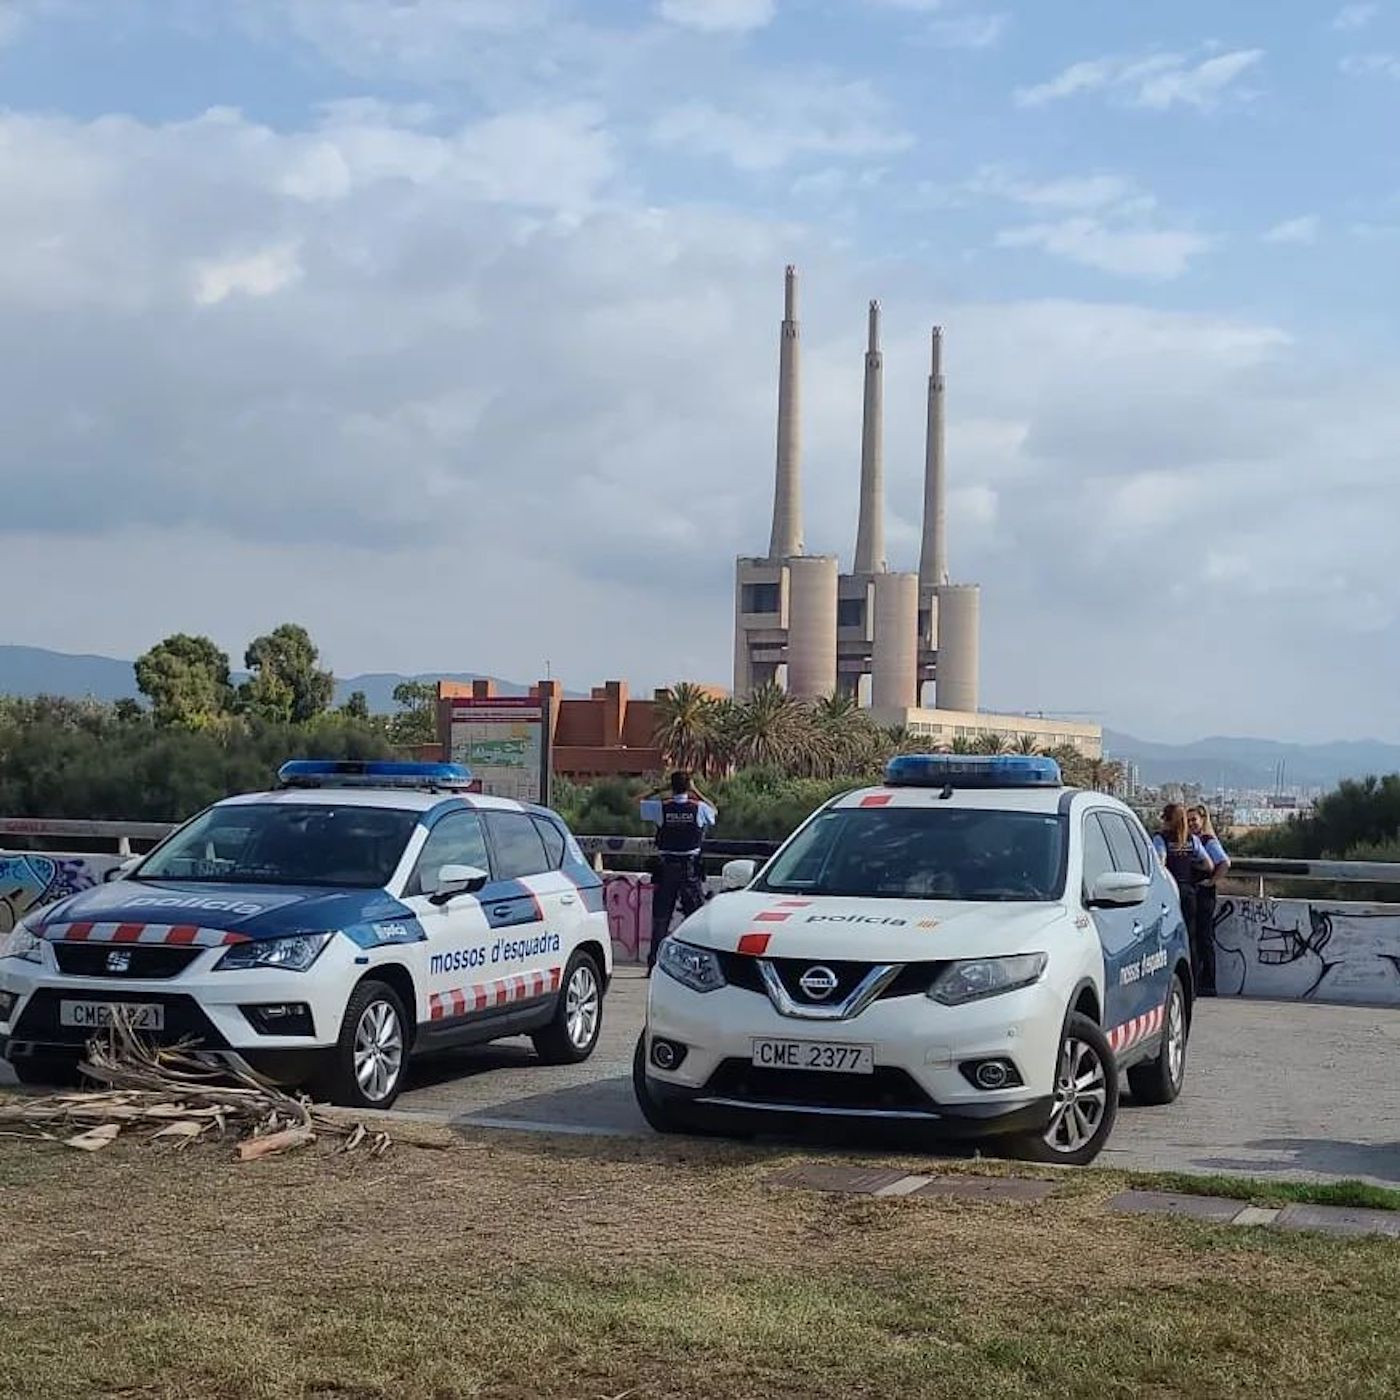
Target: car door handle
[[566, 899], [1137, 930], [501, 911]]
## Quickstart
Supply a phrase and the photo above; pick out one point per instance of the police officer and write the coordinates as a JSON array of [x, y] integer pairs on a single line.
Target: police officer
[[681, 820]]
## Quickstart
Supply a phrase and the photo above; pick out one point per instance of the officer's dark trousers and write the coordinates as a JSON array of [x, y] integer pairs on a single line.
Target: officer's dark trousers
[[1203, 940], [678, 878]]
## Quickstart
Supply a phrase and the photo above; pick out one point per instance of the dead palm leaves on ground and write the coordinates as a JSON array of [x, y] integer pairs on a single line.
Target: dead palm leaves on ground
[[177, 1095]]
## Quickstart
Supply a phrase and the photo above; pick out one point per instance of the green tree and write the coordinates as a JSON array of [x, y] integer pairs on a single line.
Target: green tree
[[287, 684], [416, 720], [186, 679], [356, 706], [685, 727]]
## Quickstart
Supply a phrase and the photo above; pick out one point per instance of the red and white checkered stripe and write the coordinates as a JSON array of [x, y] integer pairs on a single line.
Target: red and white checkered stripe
[[179, 935], [1123, 1037], [466, 1001]]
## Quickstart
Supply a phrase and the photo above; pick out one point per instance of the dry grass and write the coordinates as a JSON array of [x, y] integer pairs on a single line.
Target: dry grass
[[521, 1267]]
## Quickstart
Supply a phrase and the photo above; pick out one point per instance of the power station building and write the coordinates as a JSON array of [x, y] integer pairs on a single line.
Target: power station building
[[802, 623]]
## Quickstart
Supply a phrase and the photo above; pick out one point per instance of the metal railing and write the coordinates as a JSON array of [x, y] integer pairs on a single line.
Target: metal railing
[[639, 848]]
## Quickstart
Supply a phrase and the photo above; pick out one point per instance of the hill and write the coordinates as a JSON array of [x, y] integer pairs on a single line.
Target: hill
[[29, 671]]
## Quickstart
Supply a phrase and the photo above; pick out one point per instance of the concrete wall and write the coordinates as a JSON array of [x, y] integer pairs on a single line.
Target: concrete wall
[[28, 881], [1304, 950]]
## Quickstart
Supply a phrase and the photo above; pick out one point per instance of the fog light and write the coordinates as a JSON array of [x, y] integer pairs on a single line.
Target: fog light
[[280, 1018], [667, 1054], [991, 1074]]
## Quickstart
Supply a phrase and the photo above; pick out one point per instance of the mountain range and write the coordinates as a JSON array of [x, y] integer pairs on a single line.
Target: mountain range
[[1213, 762]]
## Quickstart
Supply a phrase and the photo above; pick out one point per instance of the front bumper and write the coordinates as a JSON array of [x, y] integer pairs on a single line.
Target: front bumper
[[919, 1049]]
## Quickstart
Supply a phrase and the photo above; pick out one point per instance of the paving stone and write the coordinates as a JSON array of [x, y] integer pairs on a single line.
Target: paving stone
[[1340, 1220], [1255, 1215], [988, 1188], [1214, 1208], [821, 1176]]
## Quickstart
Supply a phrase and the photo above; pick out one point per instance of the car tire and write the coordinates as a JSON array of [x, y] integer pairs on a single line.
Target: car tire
[[1086, 1100], [1159, 1080], [371, 1053], [572, 1034], [47, 1071]]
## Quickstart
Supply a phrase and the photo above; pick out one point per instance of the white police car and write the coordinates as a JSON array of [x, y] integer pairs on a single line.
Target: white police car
[[325, 932], [971, 947]]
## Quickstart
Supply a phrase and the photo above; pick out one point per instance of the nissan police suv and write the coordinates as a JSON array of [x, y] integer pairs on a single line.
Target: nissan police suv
[[324, 933], [971, 947]]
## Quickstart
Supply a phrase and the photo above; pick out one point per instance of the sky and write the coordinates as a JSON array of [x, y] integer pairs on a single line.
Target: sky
[[449, 329]]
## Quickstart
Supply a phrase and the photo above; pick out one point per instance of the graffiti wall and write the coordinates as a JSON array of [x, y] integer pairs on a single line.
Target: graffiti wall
[[627, 898], [29, 880], [1295, 950]]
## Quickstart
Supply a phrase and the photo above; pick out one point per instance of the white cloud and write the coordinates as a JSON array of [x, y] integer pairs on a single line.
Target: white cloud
[[1351, 18], [1303, 229], [1157, 82], [1371, 65], [782, 120], [1156, 254], [719, 16], [259, 274]]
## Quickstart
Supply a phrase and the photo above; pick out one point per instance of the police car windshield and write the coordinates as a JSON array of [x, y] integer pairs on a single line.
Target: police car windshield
[[285, 844], [924, 853]]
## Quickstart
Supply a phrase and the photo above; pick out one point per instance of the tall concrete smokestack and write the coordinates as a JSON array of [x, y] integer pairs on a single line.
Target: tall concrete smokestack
[[787, 494], [933, 557], [870, 532]]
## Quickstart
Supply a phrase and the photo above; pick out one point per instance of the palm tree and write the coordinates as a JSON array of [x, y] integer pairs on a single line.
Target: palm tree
[[962, 744], [1026, 744], [769, 729], [989, 744], [685, 725]]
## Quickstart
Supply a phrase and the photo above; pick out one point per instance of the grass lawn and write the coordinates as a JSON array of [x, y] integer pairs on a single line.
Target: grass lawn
[[513, 1266]]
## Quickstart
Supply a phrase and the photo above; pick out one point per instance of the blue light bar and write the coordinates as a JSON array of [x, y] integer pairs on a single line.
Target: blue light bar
[[957, 771], [374, 773]]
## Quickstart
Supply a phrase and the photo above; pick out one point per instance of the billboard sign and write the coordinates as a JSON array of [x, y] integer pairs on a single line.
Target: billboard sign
[[504, 741]]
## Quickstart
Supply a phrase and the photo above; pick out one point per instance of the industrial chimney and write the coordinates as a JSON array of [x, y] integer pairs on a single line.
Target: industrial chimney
[[870, 532], [787, 495], [933, 556]]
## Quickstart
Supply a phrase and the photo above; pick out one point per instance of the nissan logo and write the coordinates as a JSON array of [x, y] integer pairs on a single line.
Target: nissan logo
[[818, 982]]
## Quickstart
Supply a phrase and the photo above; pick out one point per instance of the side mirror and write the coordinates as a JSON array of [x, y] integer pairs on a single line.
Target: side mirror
[[453, 880], [736, 874], [1118, 889], [120, 872]]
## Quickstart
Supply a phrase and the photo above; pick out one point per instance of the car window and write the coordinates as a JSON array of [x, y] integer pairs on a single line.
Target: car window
[[455, 840], [923, 853], [1127, 858], [1098, 859], [516, 844], [285, 843], [553, 840]]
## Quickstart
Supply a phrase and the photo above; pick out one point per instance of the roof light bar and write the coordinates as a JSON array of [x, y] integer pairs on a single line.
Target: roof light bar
[[374, 773], [957, 771]]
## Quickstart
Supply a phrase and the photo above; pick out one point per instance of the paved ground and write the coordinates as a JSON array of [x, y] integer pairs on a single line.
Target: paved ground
[[1274, 1089]]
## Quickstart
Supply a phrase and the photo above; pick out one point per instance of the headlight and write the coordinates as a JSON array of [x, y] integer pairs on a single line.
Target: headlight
[[20, 943], [295, 954], [975, 978], [696, 968]]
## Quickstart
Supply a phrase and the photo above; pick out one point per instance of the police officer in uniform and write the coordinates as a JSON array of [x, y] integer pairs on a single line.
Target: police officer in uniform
[[681, 820]]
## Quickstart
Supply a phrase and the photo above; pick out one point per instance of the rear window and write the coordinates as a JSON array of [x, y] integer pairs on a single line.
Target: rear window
[[924, 853]]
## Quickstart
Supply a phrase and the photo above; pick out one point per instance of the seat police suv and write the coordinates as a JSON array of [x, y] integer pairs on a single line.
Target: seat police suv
[[971, 947], [325, 932]]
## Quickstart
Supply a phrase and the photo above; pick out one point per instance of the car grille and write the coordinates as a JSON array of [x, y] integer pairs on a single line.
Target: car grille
[[887, 1089], [183, 1018], [741, 970], [154, 962]]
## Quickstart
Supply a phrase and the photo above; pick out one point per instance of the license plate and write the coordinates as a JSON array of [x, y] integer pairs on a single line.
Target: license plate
[[814, 1054], [97, 1015]]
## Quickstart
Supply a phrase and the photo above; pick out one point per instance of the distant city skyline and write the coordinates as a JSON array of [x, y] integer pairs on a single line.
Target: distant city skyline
[[446, 329]]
